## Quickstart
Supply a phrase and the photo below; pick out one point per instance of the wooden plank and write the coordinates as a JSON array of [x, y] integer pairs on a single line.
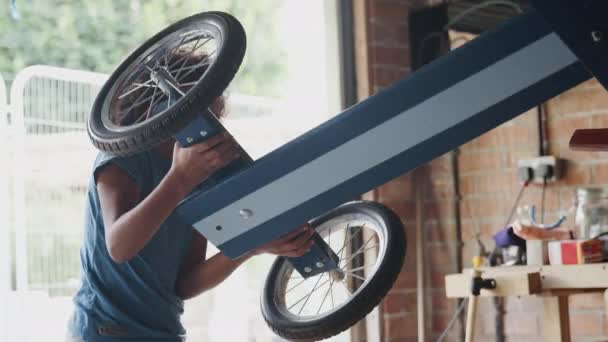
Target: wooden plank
[[574, 276], [507, 284], [606, 304], [595, 139], [556, 320], [362, 61], [471, 319], [588, 276]]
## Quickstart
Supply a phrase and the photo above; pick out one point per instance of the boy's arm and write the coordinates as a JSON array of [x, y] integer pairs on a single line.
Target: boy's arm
[[199, 275], [130, 222]]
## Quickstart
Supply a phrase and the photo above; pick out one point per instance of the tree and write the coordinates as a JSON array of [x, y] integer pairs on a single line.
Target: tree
[[96, 35]]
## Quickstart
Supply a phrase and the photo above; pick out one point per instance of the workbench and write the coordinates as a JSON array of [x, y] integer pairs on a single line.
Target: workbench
[[554, 283]]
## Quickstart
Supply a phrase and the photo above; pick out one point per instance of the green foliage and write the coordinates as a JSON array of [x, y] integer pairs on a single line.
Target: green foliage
[[97, 34]]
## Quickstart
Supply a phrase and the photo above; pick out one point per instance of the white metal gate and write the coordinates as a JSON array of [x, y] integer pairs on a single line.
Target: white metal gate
[[46, 156], [48, 108]]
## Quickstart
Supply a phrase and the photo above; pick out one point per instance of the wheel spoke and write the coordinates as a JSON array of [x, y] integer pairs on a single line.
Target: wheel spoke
[[302, 298], [138, 102], [351, 239], [153, 103], [306, 296], [199, 64], [149, 110], [182, 58], [190, 67], [360, 268], [137, 86], [174, 50], [357, 252], [194, 48], [310, 294], [325, 297], [344, 242], [354, 275], [332, 293], [296, 285]]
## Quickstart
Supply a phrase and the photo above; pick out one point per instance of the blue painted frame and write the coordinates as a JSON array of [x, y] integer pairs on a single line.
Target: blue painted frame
[[456, 98]]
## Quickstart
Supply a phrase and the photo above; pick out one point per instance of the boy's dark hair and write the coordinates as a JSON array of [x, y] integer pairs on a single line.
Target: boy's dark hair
[[182, 59]]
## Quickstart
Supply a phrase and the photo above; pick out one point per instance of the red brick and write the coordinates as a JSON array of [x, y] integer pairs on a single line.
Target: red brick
[[406, 280], [562, 129], [592, 83], [599, 173], [385, 34], [397, 190], [400, 301], [394, 56], [533, 196], [587, 99], [405, 209], [405, 325], [441, 164], [599, 120], [482, 161], [438, 231], [486, 140], [439, 210], [437, 278], [384, 76], [468, 184], [389, 10], [487, 206], [487, 227], [439, 188], [440, 321], [442, 256], [517, 135], [562, 149], [498, 181], [576, 175]]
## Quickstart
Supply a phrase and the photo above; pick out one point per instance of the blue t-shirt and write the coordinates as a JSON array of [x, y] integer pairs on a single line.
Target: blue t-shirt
[[134, 300]]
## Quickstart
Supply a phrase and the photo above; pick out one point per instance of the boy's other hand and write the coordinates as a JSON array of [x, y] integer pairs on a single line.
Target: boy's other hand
[[193, 164], [294, 244]]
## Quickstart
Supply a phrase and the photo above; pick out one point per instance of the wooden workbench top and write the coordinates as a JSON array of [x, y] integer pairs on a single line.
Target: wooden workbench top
[[529, 280]]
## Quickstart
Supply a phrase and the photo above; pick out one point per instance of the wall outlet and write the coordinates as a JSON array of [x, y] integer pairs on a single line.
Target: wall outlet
[[545, 166]]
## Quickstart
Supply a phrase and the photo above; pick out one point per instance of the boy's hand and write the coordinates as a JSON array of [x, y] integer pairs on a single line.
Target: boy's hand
[[194, 164], [294, 244]]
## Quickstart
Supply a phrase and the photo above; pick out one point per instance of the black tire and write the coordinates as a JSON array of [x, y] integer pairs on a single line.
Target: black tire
[[148, 134], [364, 299]]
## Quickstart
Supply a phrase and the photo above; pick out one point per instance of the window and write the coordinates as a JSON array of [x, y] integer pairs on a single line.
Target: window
[[287, 84]]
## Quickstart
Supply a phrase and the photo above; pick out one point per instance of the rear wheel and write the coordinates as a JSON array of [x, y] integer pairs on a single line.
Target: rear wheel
[[370, 243]]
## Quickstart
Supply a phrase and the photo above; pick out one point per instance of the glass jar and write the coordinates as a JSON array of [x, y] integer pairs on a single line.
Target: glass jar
[[591, 217]]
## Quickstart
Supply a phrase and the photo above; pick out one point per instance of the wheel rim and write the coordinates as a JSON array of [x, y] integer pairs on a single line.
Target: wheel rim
[[182, 56], [317, 297]]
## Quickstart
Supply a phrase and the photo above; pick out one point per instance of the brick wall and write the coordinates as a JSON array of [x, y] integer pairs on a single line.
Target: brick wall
[[488, 185]]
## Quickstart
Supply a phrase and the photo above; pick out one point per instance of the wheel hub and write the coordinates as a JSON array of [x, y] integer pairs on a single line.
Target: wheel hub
[[337, 275]]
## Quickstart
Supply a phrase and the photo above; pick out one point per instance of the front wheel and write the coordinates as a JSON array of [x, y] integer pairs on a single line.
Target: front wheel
[[370, 242]]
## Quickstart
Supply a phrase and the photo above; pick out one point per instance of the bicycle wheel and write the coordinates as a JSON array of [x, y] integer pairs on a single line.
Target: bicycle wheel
[[159, 88], [370, 242]]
